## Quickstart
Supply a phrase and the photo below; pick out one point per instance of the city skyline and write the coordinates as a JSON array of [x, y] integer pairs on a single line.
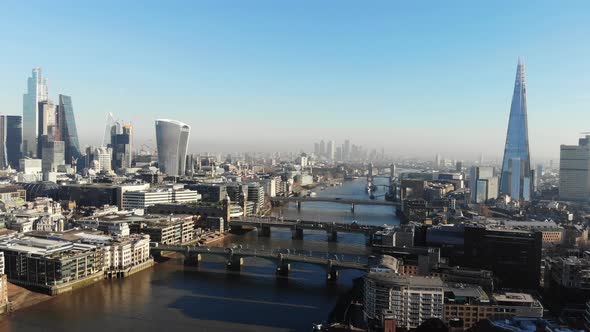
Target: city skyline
[[379, 97]]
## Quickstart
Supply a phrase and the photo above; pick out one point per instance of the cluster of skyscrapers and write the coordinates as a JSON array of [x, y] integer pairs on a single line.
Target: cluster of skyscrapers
[[46, 135], [45, 130], [345, 152]]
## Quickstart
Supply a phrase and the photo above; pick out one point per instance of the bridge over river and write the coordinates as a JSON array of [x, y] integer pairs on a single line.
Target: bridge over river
[[264, 226], [342, 200], [283, 258]]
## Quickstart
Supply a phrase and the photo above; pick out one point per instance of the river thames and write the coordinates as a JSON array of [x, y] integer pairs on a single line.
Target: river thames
[[173, 297]]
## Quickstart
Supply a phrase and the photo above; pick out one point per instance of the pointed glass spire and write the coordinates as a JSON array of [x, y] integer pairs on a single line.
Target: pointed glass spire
[[515, 177]]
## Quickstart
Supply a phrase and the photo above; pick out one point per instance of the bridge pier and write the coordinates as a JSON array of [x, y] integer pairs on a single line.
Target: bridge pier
[[264, 231], [368, 239], [234, 263], [297, 233], [283, 269], [192, 260], [332, 236], [331, 273]]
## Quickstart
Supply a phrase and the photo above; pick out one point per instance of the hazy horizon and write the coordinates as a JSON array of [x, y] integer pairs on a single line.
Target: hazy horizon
[[273, 76]]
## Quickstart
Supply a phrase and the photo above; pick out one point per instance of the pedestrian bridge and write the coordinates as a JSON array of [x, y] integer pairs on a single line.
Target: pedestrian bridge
[[193, 255]]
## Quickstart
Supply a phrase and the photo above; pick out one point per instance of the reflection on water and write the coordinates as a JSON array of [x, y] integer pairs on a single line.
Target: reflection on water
[[209, 298]]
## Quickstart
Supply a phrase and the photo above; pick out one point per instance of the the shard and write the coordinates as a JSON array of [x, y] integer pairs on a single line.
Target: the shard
[[516, 167]]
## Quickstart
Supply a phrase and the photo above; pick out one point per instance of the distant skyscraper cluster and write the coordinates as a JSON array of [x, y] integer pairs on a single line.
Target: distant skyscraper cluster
[[45, 131], [516, 178], [345, 152], [46, 135]]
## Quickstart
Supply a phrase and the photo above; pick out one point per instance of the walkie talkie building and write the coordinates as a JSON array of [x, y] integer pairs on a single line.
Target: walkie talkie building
[[172, 141]]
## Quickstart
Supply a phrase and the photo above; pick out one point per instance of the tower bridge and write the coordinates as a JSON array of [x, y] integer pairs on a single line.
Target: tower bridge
[[234, 256]]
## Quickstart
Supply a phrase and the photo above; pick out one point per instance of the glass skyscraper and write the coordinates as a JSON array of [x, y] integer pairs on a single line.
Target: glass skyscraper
[[172, 140], [67, 128], [36, 93], [11, 139], [516, 166], [121, 140]]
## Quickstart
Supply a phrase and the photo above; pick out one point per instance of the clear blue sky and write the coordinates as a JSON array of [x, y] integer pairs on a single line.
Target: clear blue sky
[[412, 76]]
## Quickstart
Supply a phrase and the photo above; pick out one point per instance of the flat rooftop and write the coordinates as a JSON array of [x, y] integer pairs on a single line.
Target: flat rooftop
[[34, 245], [405, 280], [513, 297]]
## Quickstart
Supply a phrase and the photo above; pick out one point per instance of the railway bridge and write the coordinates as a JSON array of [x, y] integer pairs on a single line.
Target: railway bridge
[[234, 256], [264, 226]]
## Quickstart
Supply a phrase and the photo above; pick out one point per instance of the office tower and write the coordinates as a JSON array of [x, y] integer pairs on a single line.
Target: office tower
[[106, 140], [121, 139], [338, 153], [11, 138], [68, 132], [459, 166], [47, 125], [516, 167], [172, 141], [36, 93], [483, 185], [574, 171], [346, 150], [53, 153], [316, 149], [331, 150], [322, 148], [30, 166], [513, 255], [102, 159], [3, 154]]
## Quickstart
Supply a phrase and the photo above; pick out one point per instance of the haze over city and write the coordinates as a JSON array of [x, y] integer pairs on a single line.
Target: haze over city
[[273, 166], [408, 77]]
